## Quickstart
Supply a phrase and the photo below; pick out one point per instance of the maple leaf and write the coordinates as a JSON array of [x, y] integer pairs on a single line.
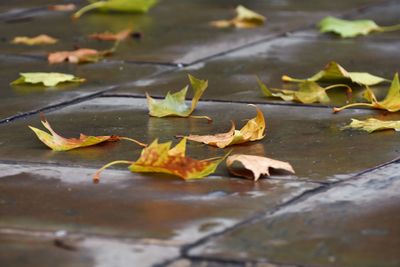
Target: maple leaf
[[245, 18], [390, 103], [333, 72], [256, 165], [66, 7], [161, 158], [174, 104], [253, 130], [108, 36], [42, 39], [352, 28], [46, 78], [309, 92], [59, 143], [371, 125], [134, 6], [82, 55]]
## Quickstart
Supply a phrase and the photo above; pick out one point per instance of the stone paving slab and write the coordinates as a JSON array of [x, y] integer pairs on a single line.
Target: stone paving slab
[[52, 198], [175, 33], [309, 138], [354, 224], [100, 77], [47, 249], [232, 77]]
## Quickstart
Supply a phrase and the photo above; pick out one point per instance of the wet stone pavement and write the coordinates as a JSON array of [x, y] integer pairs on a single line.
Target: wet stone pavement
[[341, 208]]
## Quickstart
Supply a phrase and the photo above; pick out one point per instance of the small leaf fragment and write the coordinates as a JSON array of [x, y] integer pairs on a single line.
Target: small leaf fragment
[[82, 55], [131, 6], [352, 28], [174, 104], [257, 166], [46, 78], [41, 39], [253, 130], [308, 93], [245, 18], [161, 158], [59, 143], [333, 72], [108, 36], [390, 103], [65, 7], [371, 125]]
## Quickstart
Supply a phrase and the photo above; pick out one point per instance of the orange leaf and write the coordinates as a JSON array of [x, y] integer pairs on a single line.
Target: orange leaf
[[42, 39], [82, 55], [66, 7], [108, 36]]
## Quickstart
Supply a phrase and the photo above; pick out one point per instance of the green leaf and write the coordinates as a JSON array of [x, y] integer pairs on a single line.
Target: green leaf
[[309, 92], [245, 18], [333, 72], [46, 78], [131, 6], [174, 104], [390, 103], [349, 28], [371, 125]]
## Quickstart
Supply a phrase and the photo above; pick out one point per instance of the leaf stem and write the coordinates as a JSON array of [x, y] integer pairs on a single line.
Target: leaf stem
[[349, 91], [87, 8], [389, 28], [210, 120], [96, 176], [286, 78], [335, 110], [134, 141]]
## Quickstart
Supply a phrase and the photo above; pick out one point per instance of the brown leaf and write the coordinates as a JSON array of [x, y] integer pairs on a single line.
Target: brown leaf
[[255, 166], [108, 36], [66, 7], [82, 55]]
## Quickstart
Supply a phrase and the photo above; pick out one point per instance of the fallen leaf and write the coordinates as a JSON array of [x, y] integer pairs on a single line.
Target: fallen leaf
[[245, 18], [132, 6], [59, 143], [42, 39], [82, 55], [253, 130], [66, 7], [46, 78], [174, 104], [371, 125], [390, 103], [352, 28], [160, 158], [108, 36], [256, 165], [333, 72], [309, 92]]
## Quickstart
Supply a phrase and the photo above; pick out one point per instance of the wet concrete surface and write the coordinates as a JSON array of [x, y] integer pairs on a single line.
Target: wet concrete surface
[[338, 210], [354, 224]]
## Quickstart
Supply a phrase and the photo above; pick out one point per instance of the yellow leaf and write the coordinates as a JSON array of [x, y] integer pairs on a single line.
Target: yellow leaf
[[59, 143], [309, 92], [256, 165], [390, 103], [46, 78], [174, 104], [333, 72], [252, 131], [161, 158], [371, 125], [245, 18], [42, 39]]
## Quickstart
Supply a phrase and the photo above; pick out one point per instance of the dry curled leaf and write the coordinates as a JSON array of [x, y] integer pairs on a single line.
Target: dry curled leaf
[[42, 39], [390, 103], [371, 125], [174, 104], [82, 55], [108, 36], [352, 28], [309, 92], [334, 73], [46, 78], [59, 143], [66, 7], [161, 158], [253, 130], [245, 18], [255, 166]]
